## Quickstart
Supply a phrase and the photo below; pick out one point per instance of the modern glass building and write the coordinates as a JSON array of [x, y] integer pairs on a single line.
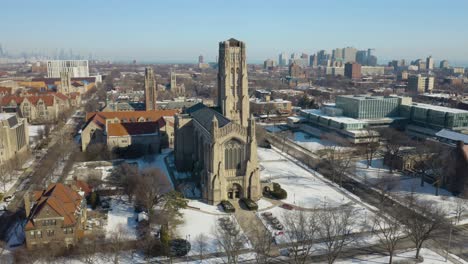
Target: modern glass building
[[434, 117], [370, 107]]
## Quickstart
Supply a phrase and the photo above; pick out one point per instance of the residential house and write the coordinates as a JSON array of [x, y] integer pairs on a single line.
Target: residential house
[[55, 216]]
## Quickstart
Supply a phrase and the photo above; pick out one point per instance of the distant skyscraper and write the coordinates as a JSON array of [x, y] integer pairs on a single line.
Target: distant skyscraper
[[151, 93], [429, 63], [337, 54], [322, 57], [313, 60], [349, 54], [283, 59], [200, 59], [1, 50], [361, 57], [268, 64], [444, 64], [352, 70]]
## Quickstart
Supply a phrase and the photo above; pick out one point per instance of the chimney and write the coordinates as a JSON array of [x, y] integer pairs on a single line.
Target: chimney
[[27, 203]]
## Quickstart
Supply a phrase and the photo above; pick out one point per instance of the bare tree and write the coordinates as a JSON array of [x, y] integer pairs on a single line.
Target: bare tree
[[87, 249], [421, 222], [369, 146], [394, 143], [151, 187], [300, 231], [201, 245], [230, 239], [4, 180], [335, 227], [262, 242], [126, 177], [336, 158], [388, 231], [116, 244], [461, 205]]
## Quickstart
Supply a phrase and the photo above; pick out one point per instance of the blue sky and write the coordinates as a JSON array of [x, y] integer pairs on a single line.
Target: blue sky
[[180, 30]]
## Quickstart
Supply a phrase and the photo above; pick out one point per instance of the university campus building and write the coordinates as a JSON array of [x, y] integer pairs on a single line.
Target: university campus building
[[218, 144]]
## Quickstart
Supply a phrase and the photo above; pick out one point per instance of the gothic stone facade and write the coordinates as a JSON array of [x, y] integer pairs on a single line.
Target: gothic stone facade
[[218, 144]]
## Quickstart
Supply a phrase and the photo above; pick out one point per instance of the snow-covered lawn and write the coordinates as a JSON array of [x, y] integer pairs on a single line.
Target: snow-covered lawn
[[402, 256], [361, 221], [310, 142], [305, 189], [122, 218], [212, 209], [34, 131], [263, 204], [401, 185], [197, 223]]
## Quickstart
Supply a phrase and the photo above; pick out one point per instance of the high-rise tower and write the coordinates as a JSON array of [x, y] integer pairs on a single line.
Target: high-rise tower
[[233, 98], [151, 93]]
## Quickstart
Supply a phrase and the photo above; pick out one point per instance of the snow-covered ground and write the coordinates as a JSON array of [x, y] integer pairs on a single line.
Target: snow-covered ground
[[122, 218], [430, 257], [305, 189], [310, 142], [198, 223], [212, 209], [34, 131], [401, 185]]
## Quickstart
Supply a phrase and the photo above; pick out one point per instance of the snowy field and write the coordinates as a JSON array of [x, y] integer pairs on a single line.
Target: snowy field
[[401, 185], [430, 257], [198, 223], [305, 189], [122, 218], [361, 221], [310, 142]]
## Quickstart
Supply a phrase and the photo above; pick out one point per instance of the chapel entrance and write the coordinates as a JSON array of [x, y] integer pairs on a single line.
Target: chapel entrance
[[235, 192]]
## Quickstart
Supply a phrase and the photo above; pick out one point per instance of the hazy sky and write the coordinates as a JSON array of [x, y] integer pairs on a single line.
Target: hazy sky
[[180, 30]]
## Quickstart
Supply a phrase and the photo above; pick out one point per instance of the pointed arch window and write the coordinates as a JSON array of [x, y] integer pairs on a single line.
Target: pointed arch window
[[234, 154]]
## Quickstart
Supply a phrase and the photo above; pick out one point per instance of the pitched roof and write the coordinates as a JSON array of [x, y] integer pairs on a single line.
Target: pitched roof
[[136, 128], [60, 198], [61, 96], [6, 100], [153, 115], [204, 115], [5, 90]]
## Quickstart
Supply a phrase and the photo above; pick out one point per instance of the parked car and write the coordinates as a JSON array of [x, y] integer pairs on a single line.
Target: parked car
[[249, 204], [227, 206]]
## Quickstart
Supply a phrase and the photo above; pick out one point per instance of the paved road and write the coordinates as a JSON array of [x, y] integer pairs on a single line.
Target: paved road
[[36, 178]]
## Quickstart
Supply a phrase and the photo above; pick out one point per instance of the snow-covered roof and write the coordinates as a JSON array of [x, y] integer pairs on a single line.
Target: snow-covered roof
[[452, 135]]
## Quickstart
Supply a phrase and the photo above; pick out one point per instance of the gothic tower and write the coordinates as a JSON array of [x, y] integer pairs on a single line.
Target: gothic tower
[[65, 83], [233, 97], [151, 93]]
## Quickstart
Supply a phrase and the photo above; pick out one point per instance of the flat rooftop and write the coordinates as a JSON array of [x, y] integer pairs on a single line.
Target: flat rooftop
[[369, 97], [5, 116], [440, 108], [340, 119]]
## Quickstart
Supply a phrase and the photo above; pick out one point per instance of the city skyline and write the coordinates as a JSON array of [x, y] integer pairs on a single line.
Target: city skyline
[[164, 32]]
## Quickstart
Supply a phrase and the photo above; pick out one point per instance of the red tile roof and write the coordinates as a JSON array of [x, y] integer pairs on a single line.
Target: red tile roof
[[60, 198], [153, 115], [133, 129], [5, 90]]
